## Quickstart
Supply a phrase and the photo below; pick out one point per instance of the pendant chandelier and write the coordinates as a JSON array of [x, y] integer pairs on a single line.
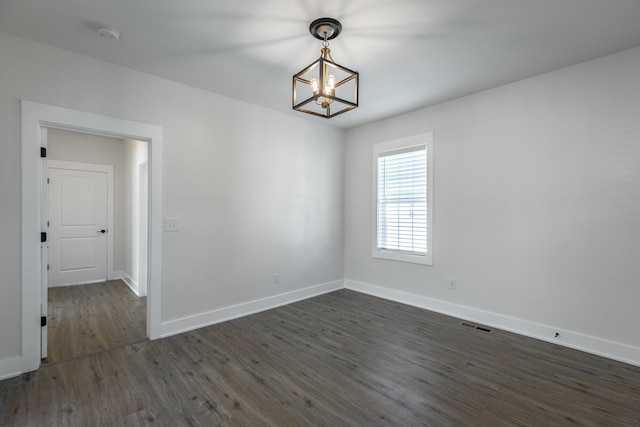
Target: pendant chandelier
[[325, 88]]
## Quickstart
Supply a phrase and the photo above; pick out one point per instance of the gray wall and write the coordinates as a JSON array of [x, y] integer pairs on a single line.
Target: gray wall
[[256, 191], [537, 203]]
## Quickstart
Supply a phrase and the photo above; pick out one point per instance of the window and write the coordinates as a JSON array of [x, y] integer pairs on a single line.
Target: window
[[403, 195]]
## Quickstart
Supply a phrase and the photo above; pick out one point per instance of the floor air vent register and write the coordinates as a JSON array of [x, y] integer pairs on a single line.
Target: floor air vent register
[[480, 328]]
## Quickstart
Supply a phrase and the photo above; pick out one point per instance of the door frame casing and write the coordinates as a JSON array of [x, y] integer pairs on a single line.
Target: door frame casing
[[36, 116], [143, 214], [93, 167]]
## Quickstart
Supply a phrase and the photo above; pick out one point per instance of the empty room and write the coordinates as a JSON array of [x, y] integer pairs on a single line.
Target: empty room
[[319, 213]]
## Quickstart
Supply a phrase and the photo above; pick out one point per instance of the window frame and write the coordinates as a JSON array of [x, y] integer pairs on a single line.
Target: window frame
[[426, 140]]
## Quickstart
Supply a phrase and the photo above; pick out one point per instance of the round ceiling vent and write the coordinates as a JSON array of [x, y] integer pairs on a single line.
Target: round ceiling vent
[[107, 32]]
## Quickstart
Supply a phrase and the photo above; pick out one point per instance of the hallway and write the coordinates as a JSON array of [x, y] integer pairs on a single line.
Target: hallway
[[88, 319]]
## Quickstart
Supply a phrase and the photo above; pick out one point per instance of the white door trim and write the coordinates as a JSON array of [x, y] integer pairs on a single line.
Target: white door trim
[[36, 116], [94, 167], [143, 213], [44, 252]]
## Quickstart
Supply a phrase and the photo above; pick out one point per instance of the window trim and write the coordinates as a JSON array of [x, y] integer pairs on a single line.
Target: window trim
[[426, 140]]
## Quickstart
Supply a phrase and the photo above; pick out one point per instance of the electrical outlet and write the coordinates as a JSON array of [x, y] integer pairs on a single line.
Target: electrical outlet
[[171, 224], [276, 278], [452, 284]]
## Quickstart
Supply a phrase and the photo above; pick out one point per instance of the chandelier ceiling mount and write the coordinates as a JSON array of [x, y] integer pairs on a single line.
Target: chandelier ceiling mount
[[325, 28]]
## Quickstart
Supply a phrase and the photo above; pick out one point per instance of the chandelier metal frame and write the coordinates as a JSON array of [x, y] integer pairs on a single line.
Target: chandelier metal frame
[[317, 84]]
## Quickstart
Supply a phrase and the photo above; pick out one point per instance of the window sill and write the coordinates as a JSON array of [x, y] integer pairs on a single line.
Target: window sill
[[396, 256]]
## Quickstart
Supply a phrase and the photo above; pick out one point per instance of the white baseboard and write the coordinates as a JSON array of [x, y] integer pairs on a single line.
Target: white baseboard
[[12, 367], [224, 314], [132, 284], [577, 341], [115, 275]]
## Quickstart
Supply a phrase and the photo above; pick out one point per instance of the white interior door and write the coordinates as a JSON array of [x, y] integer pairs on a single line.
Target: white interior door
[[78, 221]]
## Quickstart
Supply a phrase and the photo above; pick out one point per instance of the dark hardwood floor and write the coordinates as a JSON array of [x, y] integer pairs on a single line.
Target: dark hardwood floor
[[341, 359], [86, 319]]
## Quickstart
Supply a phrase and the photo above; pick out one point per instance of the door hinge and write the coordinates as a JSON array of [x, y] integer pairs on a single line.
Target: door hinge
[[47, 267], [43, 321], [43, 151], [48, 182], [43, 237]]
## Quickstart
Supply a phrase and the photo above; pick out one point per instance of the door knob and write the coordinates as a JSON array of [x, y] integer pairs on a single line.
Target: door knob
[[102, 231]]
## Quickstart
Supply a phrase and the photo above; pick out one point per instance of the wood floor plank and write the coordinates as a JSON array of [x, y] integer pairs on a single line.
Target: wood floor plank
[[85, 319], [340, 359]]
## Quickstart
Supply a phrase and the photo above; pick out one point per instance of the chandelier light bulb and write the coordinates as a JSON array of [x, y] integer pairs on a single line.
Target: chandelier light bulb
[[331, 81]]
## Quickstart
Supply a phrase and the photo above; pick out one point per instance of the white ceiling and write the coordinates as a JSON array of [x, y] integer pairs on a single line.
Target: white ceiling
[[410, 53]]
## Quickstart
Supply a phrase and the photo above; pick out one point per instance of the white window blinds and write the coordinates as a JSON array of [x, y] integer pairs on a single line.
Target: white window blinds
[[402, 200]]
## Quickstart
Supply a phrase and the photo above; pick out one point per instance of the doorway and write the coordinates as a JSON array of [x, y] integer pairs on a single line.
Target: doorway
[[93, 289], [36, 119]]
